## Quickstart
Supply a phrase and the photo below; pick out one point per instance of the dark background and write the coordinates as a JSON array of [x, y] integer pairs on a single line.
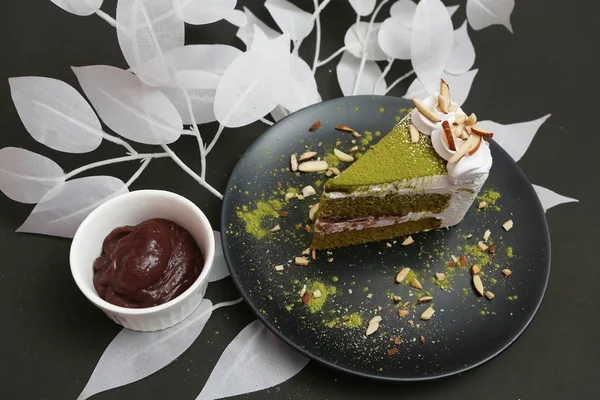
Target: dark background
[[52, 336]]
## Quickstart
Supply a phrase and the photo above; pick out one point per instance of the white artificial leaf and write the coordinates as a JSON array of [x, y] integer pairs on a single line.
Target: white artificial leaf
[[79, 7], [483, 13], [26, 176], [254, 83], [279, 112], [514, 138], [146, 30], [394, 38], [237, 18], [219, 268], [55, 114], [302, 87], [452, 9], [134, 355], [63, 209], [255, 360], [549, 199], [246, 33], [203, 104], [463, 53], [129, 107], [200, 12], [431, 43], [347, 72], [363, 7], [291, 19], [404, 12], [357, 33], [460, 86]]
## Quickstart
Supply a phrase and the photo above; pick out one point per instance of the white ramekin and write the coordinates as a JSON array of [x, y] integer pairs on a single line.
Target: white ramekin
[[131, 209]]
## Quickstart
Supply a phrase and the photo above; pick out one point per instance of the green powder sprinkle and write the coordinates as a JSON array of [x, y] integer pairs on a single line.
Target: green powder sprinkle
[[365, 289], [353, 320], [355, 108], [332, 160], [335, 279], [490, 196], [317, 304], [382, 110], [476, 256], [256, 220], [509, 252], [493, 281]]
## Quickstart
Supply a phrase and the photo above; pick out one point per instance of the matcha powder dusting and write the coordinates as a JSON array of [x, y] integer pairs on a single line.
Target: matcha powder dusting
[[256, 220]]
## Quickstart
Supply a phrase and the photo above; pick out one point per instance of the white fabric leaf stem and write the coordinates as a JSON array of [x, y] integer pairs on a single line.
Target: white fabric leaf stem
[[129, 107], [79, 7], [515, 138], [431, 42], [63, 209], [26, 176], [550, 199], [134, 355], [255, 360], [55, 114], [484, 13]]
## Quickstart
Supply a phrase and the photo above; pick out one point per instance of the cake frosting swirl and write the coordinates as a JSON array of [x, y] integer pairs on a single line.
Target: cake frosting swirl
[[428, 118]]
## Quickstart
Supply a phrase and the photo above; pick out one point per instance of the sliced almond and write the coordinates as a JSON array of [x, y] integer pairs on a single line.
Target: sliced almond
[[375, 320], [334, 171], [397, 299], [483, 204], [475, 269], [422, 339], [294, 163], [449, 136], [427, 113], [492, 249], [289, 196], [328, 173], [489, 295], [308, 229], [460, 118], [508, 225], [306, 252], [279, 268], [314, 252], [317, 294], [440, 276], [445, 91], [307, 156], [308, 191], [471, 120], [427, 314], [507, 272], [416, 284], [478, 284], [343, 156], [315, 126], [453, 257], [486, 235], [393, 351], [402, 274], [303, 291], [477, 144], [462, 260], [306, 297], [275, 228], [354, 149], [301, 261], [469, 144], [443, 103], [453, 107], [409, 240], [478, 130], [299, 196], [482, 246], [425, 299], [402, 313], [372, 328], [313, 166], [414, 133], [313, 211]]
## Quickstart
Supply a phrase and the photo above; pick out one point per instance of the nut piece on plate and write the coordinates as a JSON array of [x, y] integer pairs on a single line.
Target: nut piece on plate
[[293, 163], [313, 166], [402, 274], [507, 272], [416, 284], [478, 284], [307, 156], [489, 295], [427, 314], [312, 212], [407, 241], [301, 261], [308, 191], [508, 225], [343, 156], [402, 313], [483, 204]]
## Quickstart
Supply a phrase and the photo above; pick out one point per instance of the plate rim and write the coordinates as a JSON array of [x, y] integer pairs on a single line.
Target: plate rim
[[280, 335]]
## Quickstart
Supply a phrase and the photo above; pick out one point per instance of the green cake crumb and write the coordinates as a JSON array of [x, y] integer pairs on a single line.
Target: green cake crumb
[[332, 160], [509, 252], [314, 304], [476, 256], [382, 110], [255, 220], [353, 320], [335, 279], [490, 196]]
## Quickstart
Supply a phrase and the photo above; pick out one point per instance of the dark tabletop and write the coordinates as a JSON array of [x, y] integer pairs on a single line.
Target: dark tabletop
[[52, 337]]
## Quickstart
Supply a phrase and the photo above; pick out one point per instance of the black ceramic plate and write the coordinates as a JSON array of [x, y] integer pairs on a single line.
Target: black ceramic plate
[[466, 329]]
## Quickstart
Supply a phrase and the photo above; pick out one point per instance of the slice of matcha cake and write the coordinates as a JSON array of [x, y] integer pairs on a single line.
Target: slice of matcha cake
[[424, 174]]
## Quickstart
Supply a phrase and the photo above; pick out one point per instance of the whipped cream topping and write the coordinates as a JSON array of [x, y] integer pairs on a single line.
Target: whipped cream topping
[[469, 167]]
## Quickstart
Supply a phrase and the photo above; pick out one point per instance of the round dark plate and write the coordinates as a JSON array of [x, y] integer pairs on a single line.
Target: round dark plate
[[466, 329]]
